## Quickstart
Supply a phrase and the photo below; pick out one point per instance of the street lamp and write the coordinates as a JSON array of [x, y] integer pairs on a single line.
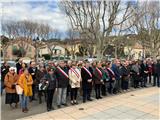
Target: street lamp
[[36, 49]]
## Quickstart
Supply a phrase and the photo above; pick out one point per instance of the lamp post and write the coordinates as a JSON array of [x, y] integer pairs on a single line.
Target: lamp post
[[36, 49]]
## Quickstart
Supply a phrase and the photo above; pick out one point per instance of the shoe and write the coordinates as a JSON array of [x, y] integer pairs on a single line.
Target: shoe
[[52, 108], [48, 109], [16, 105], [59, 106], [75, 102], [23, 110], [64, 104], [72, 103], [89, 99], [100, 97], [26, 109], [84, 101]]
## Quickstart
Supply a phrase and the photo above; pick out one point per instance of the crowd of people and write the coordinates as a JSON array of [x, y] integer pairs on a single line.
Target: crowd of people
[[28, 82]]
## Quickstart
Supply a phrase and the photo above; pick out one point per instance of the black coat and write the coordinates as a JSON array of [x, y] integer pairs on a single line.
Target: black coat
[[124, 73], [62, 80], [32, 71], [158, 69], [85, 77], [52, 81], [144, 68], [18, 66]]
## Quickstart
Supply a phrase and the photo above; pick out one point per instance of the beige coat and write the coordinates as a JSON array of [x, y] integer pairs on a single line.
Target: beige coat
[[74, 79]]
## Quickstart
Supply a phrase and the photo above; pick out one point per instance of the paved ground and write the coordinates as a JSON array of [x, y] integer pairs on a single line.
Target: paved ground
[[139, 104]]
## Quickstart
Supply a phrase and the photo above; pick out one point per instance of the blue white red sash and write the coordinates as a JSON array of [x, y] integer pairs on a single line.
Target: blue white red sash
[[87, 71], [62, 72], [111, 71], [75, 72], [100, 73]]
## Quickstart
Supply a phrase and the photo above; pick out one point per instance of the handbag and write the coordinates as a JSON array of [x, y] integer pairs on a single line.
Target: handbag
[[19, 90], [43, 86]]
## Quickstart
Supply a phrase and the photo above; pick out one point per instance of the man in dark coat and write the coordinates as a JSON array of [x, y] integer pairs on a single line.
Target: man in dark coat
[[33, 71], [116, 69], [19, 65], [62, 80], [144, 73], [86, 74]]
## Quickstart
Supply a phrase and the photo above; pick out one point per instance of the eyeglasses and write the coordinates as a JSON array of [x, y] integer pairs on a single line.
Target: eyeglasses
[[12, 70]]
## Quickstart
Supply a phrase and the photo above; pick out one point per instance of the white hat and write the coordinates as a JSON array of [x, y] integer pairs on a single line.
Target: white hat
[[12, 68]]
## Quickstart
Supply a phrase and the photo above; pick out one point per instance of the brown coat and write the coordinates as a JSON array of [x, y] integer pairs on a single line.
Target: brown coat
[[8, 81]]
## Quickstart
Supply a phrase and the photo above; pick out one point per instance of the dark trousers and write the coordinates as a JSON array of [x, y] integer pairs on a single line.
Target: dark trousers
[[150, 77], [74, 93], [40, 94], [86, 92], [50, 94], [103, 89], [118, 85], [98, 90], [144, 81], [155, 79], [124, 84]]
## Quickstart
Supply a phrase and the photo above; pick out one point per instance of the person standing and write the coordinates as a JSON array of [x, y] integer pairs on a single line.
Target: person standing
[[63, 81], [86, 74], [75, 79], [97, 78], [10, 82], [25, 82], [125, 76], [116, 69], [112, 80], [105, 78], [24, 66], [19, 65], [135, 70], [158, 72], [50, 80], [4, 70], [33, 71], [144, 73], [40, 74]]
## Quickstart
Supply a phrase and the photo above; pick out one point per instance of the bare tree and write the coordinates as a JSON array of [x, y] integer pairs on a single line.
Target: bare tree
[[95, 19]]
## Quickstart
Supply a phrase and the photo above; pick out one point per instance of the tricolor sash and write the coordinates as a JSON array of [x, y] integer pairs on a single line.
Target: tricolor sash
[[62, 72], [100, 73], [75, 72], [111, 71], [87, 71]]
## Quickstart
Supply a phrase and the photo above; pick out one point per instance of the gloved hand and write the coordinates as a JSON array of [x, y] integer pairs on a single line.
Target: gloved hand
[[13, 86]]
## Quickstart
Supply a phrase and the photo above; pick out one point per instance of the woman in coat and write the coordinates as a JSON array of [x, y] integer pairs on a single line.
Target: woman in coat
[[49, 80], [97, 78], [25, 82], [10, 82], [75, 79]]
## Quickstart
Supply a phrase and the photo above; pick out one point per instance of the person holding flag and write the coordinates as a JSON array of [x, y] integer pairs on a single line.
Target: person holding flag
[[75, 79]]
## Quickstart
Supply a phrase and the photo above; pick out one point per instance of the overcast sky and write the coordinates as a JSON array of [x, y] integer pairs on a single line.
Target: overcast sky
[[46, 11]]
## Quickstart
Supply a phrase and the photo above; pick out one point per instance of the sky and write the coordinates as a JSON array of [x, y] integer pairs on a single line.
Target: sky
[[45, 11]]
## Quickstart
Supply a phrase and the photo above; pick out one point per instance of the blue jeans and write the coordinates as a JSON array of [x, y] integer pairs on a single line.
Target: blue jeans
[[24, 101]]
